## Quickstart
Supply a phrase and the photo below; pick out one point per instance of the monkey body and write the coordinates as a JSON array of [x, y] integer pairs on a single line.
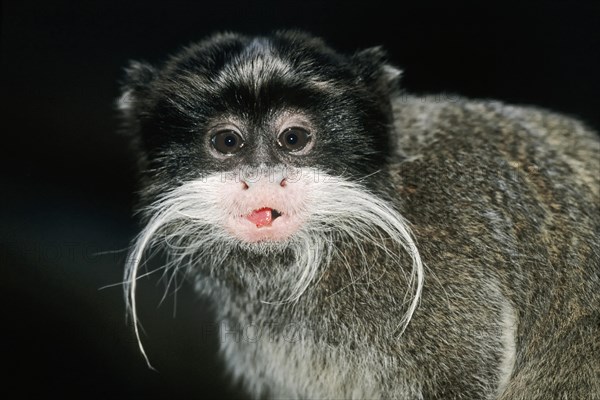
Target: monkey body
[[512, 293], [503, 203]]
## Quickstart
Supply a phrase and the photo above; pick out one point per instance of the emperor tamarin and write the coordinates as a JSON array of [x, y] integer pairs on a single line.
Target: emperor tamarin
[[378, 244]]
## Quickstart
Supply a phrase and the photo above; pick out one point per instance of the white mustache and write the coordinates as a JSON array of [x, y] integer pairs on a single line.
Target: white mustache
[[188, 221]]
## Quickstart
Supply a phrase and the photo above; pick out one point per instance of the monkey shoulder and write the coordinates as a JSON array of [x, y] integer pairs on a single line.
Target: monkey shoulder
[[422, 120], [486, 134]]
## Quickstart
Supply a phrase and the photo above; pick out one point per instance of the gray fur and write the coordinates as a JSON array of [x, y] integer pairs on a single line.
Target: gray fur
[[503, 203]]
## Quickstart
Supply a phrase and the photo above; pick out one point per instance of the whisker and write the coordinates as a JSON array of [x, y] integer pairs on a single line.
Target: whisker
[[186, 223]]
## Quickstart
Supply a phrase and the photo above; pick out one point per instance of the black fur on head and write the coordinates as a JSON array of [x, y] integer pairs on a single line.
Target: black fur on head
[[168, 110]]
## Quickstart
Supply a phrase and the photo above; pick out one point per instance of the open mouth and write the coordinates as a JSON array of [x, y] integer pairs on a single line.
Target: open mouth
[[263, 217], [264, 224]]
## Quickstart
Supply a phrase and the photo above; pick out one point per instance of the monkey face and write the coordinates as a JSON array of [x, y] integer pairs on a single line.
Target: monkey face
[[258, 112], [259, 161]]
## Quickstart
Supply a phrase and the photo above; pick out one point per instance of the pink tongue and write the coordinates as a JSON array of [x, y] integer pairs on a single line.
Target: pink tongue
[[260, 217]]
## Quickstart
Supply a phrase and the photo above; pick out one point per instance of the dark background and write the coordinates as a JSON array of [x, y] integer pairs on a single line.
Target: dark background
[[68, 182]]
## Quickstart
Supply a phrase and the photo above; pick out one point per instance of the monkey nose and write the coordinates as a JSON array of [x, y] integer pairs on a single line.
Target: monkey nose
[[272, 179], [247, 184]]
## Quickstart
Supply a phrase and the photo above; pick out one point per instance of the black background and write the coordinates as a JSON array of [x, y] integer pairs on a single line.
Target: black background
[[68, 181]]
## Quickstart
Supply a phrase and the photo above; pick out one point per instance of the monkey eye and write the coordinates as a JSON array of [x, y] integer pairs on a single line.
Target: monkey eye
[[227, 142], [293, 139]]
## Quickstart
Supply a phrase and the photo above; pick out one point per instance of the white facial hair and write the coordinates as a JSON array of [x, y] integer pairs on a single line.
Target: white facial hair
[[188, 223]]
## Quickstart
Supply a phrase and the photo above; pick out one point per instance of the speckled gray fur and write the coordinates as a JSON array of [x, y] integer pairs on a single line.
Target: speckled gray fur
[[504, 205]]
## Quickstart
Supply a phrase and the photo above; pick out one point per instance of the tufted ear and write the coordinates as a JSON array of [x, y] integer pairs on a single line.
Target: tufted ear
[[138, 76], [376, 72], [135, 86]]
